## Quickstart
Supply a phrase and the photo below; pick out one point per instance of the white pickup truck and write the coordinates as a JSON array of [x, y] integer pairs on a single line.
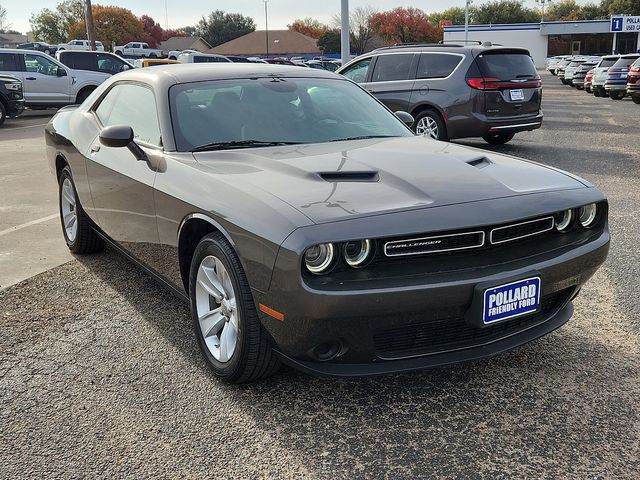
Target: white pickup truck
[[80, 45], [138, 49]]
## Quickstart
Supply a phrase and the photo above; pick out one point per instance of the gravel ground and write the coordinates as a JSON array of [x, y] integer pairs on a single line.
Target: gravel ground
[[100, 375]]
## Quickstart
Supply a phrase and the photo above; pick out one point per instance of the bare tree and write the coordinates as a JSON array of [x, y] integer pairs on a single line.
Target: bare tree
[[360, 26], [3, 19]]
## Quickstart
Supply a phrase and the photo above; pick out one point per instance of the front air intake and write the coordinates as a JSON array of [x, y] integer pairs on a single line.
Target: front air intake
[[350, 176]]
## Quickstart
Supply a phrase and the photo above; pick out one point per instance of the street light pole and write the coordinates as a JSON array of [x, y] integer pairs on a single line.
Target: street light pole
[[266, 25], [466, 21], [344, 34]]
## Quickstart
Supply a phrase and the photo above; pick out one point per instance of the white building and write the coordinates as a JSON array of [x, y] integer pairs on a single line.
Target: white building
[[587, 37]]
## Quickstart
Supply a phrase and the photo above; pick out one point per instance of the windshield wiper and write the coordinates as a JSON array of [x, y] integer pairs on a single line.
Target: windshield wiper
[[238, 144], [362, 137]]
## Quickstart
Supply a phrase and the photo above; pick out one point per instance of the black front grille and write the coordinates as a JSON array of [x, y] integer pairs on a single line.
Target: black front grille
[[446, 334], [434, 244], [520, 230]]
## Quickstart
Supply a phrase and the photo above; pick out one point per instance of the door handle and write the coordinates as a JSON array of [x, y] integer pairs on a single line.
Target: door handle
[[30, 78]]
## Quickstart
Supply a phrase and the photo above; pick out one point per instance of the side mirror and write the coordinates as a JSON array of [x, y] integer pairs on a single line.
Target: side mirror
[[61, 72], [118, 136], [405, 117]]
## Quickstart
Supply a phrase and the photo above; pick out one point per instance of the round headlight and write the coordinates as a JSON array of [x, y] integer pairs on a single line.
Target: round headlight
[[587, 215], [319, 257], [357, 252], [563, 220]]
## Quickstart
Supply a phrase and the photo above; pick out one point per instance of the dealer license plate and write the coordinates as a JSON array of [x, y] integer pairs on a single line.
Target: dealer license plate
[[511, 300], [516, 94]]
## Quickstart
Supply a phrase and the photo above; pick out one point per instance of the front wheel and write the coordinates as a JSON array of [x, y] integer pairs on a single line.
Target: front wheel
[[76, 226], [153, 55], [231, 337], [498, 138], [118, 52], [429, 123]]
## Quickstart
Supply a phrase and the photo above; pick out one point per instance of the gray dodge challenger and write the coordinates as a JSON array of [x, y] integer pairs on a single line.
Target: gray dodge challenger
[[305, 223]]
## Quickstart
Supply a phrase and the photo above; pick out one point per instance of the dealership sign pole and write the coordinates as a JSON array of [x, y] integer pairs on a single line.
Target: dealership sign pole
[[344, 34]]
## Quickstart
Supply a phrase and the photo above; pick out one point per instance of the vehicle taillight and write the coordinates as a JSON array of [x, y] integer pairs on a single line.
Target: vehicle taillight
[[635, 69], [481, 83]]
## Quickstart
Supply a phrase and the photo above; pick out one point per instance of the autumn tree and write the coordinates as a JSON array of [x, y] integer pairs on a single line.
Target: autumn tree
[[220, 27], [170, 33], [505, 11], [53, 26], [404, 25], [112, 25], [153, 33], [308, 26], [3, 19], [360, 27]]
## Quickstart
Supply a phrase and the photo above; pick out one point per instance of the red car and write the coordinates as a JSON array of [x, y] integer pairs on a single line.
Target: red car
[[633, 81], [588, 80], [279, 61]]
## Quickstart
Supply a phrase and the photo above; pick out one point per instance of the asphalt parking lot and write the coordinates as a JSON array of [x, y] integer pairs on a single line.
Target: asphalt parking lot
[[100, 375]]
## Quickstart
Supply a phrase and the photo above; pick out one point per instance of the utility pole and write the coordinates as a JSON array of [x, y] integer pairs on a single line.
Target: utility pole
[[88, 19], [466, 21], [344, 34], [266, 25]]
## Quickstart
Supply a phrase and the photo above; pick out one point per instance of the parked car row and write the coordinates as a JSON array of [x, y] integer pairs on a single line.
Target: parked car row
[[613, 76]]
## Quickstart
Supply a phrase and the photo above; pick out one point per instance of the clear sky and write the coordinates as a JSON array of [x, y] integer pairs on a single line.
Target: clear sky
[[188, 12]]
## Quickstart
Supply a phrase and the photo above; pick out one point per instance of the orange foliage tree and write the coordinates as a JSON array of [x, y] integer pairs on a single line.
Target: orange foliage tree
[[112, 24], [309, 26], [405, 25]]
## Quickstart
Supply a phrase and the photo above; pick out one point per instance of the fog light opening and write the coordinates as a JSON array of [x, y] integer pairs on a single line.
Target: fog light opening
[[326, 351]]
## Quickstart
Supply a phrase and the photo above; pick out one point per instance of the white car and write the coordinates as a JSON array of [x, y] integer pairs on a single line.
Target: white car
[[46, 82], [174, 54], [600, 74], [138, 49], [197, 57], [80, 45]]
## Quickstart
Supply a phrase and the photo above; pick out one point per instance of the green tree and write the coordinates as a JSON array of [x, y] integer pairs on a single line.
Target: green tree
[[614, 7], [591, 11], [220, 27], [505, 11], [329, 41], [455, 15], [53, 25]]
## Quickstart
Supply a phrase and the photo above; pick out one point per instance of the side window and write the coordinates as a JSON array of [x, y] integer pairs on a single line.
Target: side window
[[358, 71], [435, 65], [8, 62], [132, 105], [40, 64], [392, 67], [111, 65]]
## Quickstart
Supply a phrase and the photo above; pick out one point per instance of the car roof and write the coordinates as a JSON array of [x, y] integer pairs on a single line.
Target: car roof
[[448, 47], [21, 51], [201, 72]]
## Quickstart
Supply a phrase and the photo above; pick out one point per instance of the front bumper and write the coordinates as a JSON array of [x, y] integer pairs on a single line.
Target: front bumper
[[415, 322], [16, 107]]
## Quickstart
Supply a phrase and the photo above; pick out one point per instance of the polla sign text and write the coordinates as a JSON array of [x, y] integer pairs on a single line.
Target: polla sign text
[[625, 24]]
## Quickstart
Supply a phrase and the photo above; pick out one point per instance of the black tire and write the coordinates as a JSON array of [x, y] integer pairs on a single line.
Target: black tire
[[83, 94], [588, 90], [153, 55], [172, 58], [579, 87], [437, 118], [616, 95], [3, 113], [118, 52], [253, 357], [636, 99], [86, 239], [596, 92], [498, 138]]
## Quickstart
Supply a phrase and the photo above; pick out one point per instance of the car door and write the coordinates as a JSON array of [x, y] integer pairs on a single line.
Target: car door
[[45, 81], [122, 186], [392, 79], [433, 85]]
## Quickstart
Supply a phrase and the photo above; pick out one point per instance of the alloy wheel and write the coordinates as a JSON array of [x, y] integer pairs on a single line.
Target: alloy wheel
[[427, 126], [69, 209], [216, 308]]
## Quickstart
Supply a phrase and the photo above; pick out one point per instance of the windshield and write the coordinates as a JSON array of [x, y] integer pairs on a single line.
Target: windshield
[[276, 110]]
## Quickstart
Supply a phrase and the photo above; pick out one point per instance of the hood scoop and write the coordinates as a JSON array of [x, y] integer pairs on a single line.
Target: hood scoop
[[350, 176], [479, 162]]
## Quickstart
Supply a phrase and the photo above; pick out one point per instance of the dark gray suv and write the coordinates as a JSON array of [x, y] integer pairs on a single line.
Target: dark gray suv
[[455, 91]]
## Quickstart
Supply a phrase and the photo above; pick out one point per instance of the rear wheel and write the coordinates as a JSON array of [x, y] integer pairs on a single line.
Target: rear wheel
[[596, 92], [153, 55], [616, 95], [429, 123], [83, 94], [76, 226], [225, 320], [498, 138], [636, 99]]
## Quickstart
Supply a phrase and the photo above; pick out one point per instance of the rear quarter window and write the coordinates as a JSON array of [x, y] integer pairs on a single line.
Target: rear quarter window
[[8, 62], [506, 66], [437, 65], [625, 62]]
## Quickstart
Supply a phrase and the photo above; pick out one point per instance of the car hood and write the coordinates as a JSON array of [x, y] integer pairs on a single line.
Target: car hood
[[334, 181]]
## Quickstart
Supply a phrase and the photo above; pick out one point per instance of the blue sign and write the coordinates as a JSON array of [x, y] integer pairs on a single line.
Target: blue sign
[[511, 300], [616, 24]]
